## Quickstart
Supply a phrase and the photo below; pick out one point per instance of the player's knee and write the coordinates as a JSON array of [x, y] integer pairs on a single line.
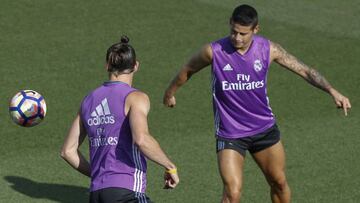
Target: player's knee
[[233, 191], [279, 183]]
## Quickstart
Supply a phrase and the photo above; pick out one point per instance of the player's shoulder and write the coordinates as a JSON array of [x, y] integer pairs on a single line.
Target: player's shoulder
[[272, 43], [206, 52], [138, 97], [275, 47], [138, 101]]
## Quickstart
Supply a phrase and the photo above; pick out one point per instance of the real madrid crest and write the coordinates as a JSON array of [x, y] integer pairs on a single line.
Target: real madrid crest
[[257, 65]]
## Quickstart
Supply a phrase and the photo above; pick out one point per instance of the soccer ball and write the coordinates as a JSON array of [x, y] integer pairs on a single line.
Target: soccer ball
[[27, 108]]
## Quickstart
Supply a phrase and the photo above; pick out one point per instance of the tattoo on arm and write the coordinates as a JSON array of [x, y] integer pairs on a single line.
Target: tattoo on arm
[[283, 58], [316, 79]]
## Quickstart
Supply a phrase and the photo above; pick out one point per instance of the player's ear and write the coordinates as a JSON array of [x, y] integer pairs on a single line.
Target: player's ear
[[256, 29], [106, 66], [136, 66]]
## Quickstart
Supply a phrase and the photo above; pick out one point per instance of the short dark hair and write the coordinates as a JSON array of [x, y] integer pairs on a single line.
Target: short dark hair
[[121, 57], [245, 15]]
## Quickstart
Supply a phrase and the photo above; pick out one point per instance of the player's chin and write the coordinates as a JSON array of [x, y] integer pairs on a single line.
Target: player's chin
[[238, 45]]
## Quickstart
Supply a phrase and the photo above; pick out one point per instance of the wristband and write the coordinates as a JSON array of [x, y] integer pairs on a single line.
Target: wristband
[[171, 171]]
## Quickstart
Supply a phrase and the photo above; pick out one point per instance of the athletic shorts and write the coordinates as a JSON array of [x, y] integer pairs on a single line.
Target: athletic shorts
[[253, 143], [118, 195]]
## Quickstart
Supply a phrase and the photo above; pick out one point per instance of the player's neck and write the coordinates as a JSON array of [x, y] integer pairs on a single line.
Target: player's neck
[[125, 78], [244, 49]]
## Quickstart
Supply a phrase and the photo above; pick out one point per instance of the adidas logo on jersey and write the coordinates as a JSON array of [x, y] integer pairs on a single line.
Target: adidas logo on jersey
[[101, 115], [227, 68]]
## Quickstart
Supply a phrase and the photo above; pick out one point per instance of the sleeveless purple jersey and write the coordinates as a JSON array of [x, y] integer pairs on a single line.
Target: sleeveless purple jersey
[[240, 102], [115, 160]]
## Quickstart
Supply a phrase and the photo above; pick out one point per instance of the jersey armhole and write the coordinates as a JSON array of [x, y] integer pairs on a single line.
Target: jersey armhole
[[81, 109], [268, 54]]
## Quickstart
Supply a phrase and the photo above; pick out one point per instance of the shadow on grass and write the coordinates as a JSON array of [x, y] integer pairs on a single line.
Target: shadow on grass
[[54, 192]]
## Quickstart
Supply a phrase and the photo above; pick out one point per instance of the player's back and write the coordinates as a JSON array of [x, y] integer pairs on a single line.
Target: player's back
[[115, 160]]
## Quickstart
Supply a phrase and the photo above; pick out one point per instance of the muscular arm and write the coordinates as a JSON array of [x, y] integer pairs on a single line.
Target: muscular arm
[[138, 106], [283, 58], [70, 149], [197, 62]]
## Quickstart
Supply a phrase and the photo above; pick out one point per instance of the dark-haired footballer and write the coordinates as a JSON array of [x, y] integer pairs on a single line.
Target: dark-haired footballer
[[114, 117], [242, 115]]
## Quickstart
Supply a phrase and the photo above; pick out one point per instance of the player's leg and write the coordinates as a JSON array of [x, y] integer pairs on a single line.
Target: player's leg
[[272, 163], [230, 164], [231, 154]]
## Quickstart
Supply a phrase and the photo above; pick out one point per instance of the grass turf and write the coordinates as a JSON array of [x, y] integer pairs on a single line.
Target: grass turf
[[58, 48]]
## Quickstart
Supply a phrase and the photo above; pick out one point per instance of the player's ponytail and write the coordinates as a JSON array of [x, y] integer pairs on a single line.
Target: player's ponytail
[[121, 57]]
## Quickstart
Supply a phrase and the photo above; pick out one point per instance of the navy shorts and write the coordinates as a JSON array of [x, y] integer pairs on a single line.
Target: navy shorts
[[252, 144], [118, 195]]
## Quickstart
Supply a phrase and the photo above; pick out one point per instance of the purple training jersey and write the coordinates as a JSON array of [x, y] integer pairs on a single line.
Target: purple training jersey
[[240, 102], [115, 160]]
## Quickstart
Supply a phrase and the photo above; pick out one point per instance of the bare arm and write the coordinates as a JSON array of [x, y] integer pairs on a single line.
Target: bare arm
[[283, 58], [139, 106], [70, 149], [197, 62]]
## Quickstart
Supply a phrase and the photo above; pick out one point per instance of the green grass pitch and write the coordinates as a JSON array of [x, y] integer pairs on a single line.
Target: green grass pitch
[[58, 48]]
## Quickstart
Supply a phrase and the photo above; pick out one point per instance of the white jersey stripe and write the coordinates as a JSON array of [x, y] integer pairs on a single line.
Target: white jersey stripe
[[139, 181], [136, 179], [135, 173], [138, 170], [141, 169], [217, 117], [213, 84], [138, 175], [138, 189], [99, 110], [105, 106], [268, 102], [93, 114], [217, 121]]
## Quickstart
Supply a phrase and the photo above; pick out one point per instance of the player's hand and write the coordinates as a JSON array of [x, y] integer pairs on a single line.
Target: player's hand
[[341, 101], [169, 101], [171, 179]]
